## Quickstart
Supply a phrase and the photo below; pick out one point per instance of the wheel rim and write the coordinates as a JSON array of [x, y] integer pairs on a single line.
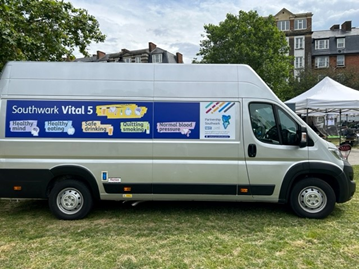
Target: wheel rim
[[70, 201], [312, 199]]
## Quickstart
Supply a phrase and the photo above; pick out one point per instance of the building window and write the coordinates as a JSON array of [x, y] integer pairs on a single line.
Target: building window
[[299, 43], [341, 43], [300, 24], [157, 58], [340, 60], [322, 62], [322, 44], [138, 59], [283, 25], [298, 62], [127, 60]]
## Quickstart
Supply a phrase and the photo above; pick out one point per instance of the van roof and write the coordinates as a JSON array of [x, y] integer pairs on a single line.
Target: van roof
[[76, 80]]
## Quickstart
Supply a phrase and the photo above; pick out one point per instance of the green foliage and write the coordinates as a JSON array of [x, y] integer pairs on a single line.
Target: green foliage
[[253, 40], [46, 30], [306, 80], [309, 78]]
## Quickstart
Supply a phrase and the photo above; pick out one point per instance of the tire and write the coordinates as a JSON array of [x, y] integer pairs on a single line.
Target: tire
[[312, 198], [70, 200]]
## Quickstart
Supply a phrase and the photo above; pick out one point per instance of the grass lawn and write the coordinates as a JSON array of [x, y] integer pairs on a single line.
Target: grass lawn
[[179, 235]]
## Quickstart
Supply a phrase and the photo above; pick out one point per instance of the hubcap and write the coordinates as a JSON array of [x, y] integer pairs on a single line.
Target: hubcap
[[70, 201], [312, 199]]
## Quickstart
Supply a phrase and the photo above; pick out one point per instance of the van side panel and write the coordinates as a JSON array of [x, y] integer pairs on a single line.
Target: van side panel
[[196, 145], [24, 183]]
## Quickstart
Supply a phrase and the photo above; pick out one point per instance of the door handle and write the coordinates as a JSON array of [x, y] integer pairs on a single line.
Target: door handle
[[252, 150]]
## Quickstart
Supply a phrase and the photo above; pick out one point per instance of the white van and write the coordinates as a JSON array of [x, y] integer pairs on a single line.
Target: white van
[[74, 133]]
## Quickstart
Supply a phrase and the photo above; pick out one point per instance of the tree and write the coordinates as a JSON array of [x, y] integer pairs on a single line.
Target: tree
[[46, 30], [305, 80], [253, 40]]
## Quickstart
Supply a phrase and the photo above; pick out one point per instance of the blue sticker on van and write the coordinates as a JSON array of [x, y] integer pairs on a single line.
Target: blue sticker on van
[[137, 120], [176, 120], [79, 119]]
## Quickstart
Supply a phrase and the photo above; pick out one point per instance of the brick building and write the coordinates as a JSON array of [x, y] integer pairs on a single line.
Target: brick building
[[152, 54], [298, 31], [336, 48]]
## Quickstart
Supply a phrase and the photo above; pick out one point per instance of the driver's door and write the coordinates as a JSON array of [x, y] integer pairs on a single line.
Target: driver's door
[[271, 146]]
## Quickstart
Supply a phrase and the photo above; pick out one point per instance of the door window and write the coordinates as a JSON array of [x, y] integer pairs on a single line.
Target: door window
[[288, 128], [263, 122], [270, 124]]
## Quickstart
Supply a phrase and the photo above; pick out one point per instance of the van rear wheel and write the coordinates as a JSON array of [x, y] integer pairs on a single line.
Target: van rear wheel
[[70, 200], [312, 198]]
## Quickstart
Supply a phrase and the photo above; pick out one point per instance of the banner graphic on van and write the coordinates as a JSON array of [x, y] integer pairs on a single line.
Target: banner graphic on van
[[78, 119], [138, 120]]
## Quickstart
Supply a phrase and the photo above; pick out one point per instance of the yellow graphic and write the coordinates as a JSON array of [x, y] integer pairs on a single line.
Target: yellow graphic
[[96, 127], [121, 111], [135, 127]]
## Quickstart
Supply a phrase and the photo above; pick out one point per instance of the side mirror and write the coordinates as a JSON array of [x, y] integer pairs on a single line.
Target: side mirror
[[302, 136]]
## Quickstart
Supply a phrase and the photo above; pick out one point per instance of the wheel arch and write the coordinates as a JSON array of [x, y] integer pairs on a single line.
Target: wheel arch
[[329, 173], [75, 172]]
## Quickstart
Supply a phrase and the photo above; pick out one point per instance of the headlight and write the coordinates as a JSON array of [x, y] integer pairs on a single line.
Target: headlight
[[336, 153]]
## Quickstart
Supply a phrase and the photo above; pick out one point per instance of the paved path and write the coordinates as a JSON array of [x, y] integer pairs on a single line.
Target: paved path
[[354, 157]]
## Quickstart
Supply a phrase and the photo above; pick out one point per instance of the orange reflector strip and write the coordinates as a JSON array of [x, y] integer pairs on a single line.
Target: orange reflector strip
[[17, 188], [243, 190], [127, 188]]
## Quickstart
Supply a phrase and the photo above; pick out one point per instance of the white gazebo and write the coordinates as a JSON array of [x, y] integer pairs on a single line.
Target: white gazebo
[[327, 96]]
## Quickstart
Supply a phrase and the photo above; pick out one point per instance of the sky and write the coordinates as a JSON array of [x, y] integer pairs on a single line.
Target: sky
[[178, 25]]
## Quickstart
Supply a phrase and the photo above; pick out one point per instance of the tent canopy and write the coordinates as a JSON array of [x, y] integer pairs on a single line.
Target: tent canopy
[[327, 95]]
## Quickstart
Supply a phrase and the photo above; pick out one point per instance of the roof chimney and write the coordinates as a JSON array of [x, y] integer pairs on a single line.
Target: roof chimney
[[335, 27], [179, 58], [100, 54], [151, 46], [347, 26]]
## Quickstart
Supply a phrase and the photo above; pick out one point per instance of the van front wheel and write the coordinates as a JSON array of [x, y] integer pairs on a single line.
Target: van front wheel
[[312, 198], [70, 200]]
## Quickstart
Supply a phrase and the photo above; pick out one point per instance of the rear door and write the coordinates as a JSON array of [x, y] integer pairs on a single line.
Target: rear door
[[271, 145]]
